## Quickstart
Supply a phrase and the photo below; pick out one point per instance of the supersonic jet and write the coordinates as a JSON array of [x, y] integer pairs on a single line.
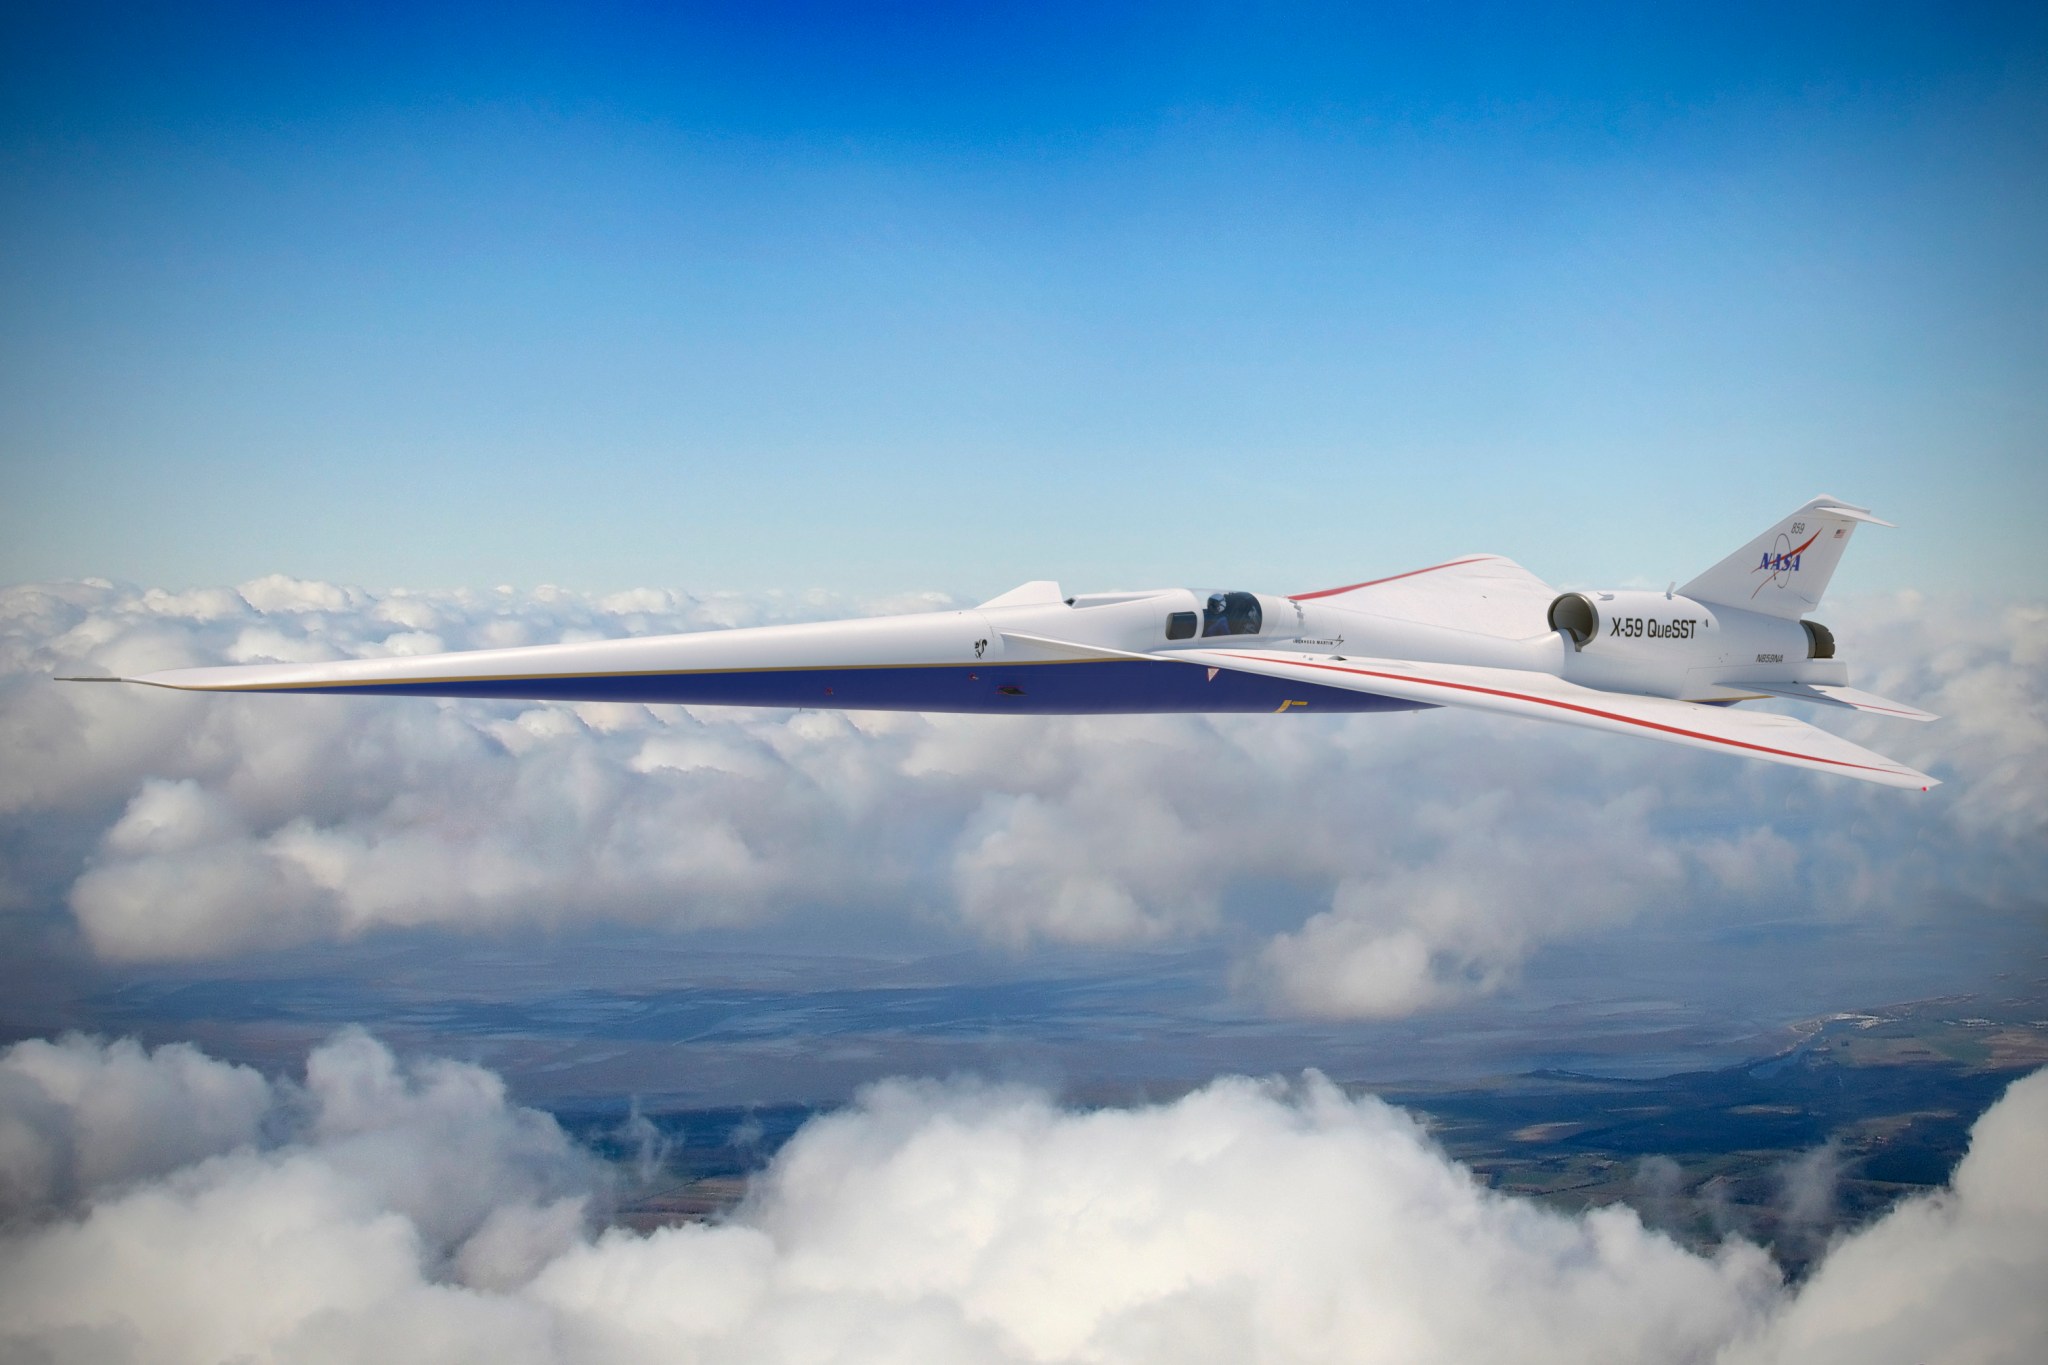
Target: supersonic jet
[[1480, 631]]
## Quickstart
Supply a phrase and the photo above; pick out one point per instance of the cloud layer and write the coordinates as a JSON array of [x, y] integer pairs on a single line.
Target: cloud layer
[[383, 1210], [1359, 866]]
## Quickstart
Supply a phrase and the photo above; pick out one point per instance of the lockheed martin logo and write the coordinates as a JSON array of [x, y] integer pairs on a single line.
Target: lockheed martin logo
[[1782, 562]]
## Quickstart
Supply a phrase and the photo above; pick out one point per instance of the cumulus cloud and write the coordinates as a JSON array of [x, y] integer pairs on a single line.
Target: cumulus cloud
[[1361, 866], [76, 1116], [1808, 1186], [1955, 1275], [413, 1211], [1485, 879], [81, 1118], [213, 1214], [1979, 665]]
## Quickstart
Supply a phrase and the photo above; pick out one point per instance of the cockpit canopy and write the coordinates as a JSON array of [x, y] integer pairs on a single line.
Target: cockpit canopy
[[1231, 613]]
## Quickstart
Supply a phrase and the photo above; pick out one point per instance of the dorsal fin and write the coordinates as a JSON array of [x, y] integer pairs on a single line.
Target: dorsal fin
[[1039, 592]]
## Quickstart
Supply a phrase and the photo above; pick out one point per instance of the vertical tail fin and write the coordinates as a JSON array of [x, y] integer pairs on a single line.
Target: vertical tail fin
[[1784, 571]]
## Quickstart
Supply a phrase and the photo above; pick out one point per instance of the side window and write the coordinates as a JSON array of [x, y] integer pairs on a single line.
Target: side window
[[1244, 614], [1180, 625], [1231, 613]]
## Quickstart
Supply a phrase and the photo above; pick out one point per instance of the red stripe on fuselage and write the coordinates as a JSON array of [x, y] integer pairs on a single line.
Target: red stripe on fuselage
[[1375, 582], [1591, 711]]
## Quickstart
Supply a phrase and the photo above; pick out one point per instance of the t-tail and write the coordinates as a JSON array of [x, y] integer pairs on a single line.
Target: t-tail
[[1784, 571]]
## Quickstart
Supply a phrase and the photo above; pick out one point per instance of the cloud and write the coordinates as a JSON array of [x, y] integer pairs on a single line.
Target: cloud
[[77, 1116], [1808, 1187], [1249, 1220], [80, 1118], [1360, 866], [226, 1216], [1955, 1275], [1980, 666], [394, 1209], [1489, 878]]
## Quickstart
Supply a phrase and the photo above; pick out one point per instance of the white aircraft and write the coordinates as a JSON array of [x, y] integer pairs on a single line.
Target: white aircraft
[[1480, 631]]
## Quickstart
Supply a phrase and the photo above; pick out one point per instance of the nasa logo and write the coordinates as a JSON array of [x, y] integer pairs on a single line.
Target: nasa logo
[[1783, 561]]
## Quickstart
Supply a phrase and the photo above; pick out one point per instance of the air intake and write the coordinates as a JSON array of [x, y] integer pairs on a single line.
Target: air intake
[[1575, 615]]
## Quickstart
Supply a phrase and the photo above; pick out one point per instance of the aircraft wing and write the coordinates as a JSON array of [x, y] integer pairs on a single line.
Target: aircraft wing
[[1488, 594], [1542, 696]]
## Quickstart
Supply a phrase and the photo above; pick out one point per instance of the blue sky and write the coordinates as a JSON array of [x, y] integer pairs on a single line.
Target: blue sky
[[888, 297]]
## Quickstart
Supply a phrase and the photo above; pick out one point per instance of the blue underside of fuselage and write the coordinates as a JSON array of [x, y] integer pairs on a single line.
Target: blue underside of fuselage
[[1108, 687]]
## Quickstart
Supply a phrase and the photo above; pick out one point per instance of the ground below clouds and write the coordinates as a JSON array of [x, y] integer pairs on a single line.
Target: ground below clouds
[[167, 1206]]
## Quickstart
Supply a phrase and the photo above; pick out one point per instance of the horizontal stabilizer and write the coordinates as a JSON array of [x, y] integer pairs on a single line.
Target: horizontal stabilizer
[[1826, 694], [1542, 696], [1843, 509]]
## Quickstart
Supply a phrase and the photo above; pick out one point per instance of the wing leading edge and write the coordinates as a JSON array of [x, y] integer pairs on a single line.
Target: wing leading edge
[[1541, 696]]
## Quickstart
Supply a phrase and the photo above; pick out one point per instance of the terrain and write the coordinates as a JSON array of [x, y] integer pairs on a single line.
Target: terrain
[[1786, 1150]]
